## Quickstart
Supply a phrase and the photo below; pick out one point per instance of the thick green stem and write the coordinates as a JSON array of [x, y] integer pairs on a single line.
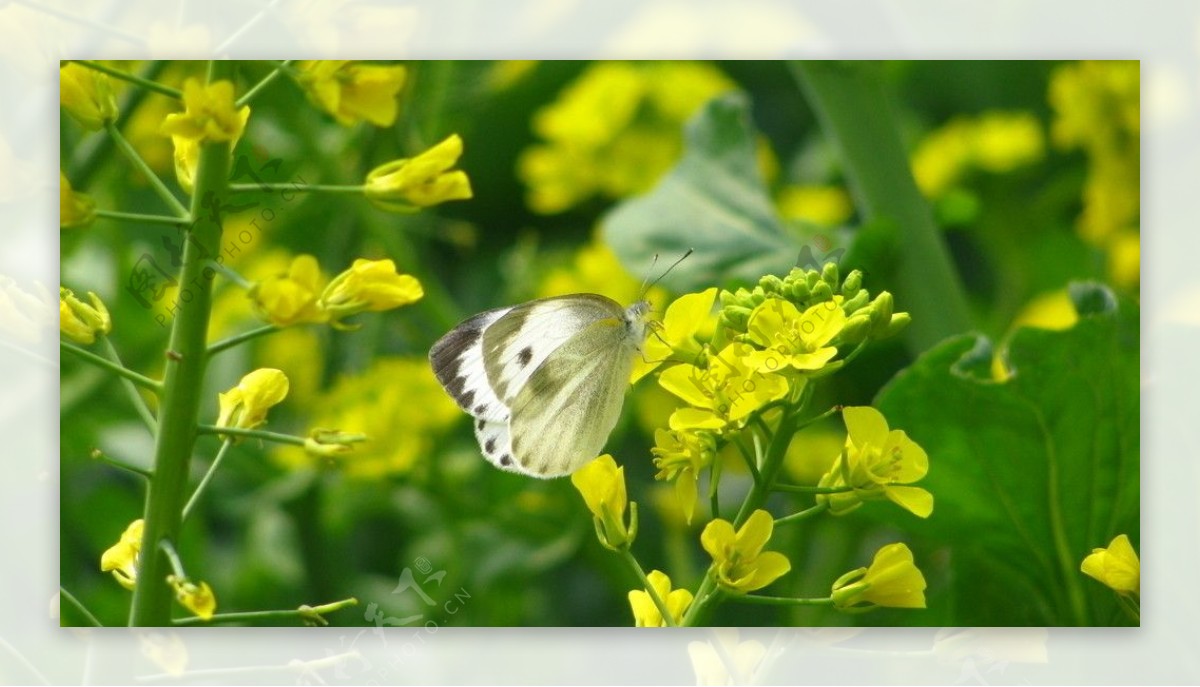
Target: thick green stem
[[180, 400], [850, 102]]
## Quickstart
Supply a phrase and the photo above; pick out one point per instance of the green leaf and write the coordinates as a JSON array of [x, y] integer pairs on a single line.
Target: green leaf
[[1031, 474], [714, 201]]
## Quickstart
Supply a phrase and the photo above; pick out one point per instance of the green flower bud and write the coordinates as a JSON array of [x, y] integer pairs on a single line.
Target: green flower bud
[[799, 292], [881, 312], [897, 324], [858, 302], [822, 292], [812, 277], [727, 298], [853, 284], [856, 330], [771, 284], [829, 274]]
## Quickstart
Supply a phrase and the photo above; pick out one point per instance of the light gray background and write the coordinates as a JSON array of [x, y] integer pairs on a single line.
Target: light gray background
[[35, 34]]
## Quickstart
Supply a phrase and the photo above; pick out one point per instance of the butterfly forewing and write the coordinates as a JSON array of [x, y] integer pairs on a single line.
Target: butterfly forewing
[[457, 360]]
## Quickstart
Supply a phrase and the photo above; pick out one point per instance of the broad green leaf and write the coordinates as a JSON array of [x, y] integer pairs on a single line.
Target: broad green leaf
[[1029, 475], [714, 201]]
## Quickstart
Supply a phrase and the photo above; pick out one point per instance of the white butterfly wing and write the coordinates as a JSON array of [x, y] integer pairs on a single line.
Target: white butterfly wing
[[457, 361]]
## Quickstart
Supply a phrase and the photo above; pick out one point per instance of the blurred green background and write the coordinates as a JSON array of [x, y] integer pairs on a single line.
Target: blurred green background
[[1030, 169]]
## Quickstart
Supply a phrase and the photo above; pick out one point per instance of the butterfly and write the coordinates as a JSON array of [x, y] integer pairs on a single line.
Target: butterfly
[[544, 380]]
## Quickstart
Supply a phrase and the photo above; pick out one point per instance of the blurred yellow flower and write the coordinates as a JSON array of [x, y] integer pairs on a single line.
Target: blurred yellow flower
[[79, 321], [792, 339], [688, 321], [876, 463], [825, 206], [724, 393], [679, 457], [353, 92], [409, 184], [602, 485], [197, 598], [1116, 566], [368, 286], [87, 95], [74, 209], [122, 558], [291, 298], [645, 611], [245, 406], [995, 141], [892, 581], [741, 564], [209, 114], [614, 131]]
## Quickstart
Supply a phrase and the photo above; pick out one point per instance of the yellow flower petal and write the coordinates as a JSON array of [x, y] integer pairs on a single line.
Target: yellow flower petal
[[1116, 566]]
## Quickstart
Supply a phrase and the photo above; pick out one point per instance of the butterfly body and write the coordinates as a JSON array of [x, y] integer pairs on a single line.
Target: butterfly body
[[544, 380]]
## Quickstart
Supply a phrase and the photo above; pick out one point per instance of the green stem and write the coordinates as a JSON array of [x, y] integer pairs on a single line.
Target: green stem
[[309, 613], [266, 81], [771, 464], [95, 150], [301, 188], [253, 433], [706, 596], [853, 110], [101, 456], [138, 217], [230, 274], [212, 470], [802, 515], [1058, 528], [133, 79], [240, 338], [172, 555], [658, 602], [159, 187], [135, 397], [182, 383], [714, 487], [780, 600], [116, 369], [87, 615], [751, 460]]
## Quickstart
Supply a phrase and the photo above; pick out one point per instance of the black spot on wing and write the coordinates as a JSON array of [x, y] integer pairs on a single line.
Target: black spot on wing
[[481, 409], [506, 460], [455, 388], [490, 445], [525, 356], [467, 398], [479, 423]]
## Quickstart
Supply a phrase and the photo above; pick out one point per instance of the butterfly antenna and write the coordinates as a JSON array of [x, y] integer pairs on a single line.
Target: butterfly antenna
[[646, 288]]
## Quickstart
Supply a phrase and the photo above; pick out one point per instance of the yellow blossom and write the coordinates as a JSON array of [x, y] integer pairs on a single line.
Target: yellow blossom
[[741, 564], [791, 339], [826, 206], [79, 321], [353, 92], [122, 557], [408, 184], [892, 581], [368, 286], [645, 611], [602, 485], [291, 298], [86, 95], [245, 406], [1116, 566], [680, 456], [688, 321], [197, 598], [209, 114], [723, 394], [876, 463], [74, 209]]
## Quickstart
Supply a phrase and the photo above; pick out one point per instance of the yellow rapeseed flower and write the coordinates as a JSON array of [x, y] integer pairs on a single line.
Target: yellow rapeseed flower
[[741, 564], [1117, 566], [409, 184], [680, 456], [645, 611], [826, 206], [74, 209], [197, 598], [245, 406], [688, 321], [209, 114], [368, 286], [602, 485], [79, 321], [86, 95], [291, 298], [353, 92], [791, 339], [723, 394], [876, 463], [892, 581], [122, 558]]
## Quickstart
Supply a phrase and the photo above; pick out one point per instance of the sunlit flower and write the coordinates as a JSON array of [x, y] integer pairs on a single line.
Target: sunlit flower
[[368, 286], [1116, 566], [79, 321], [688, 321], [291, 298], [792, 339], [892, 581], [86, 95], [679, 457], [723, 394], [741, 564], [645, 611], [353, 92], [197, 598], [876, 463], [122, 558], [245, 406], [409, 184], [74, 209], [209, 114], [602, 485]]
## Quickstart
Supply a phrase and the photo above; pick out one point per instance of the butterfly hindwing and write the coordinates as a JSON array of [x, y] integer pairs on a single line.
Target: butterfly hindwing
[[457, 360]]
